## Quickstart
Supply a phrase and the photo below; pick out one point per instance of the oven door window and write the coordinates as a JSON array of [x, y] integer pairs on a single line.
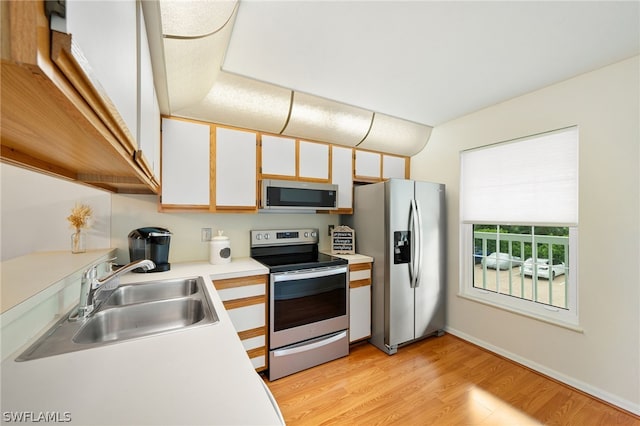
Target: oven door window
[[304, 298]]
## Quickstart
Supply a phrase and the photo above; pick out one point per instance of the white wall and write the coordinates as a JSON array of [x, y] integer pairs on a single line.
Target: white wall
[[35, 209], [135, 211], [605, 359]]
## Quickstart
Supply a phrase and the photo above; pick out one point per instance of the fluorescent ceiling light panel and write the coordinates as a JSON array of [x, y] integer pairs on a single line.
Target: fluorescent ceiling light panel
[[396, 136], [187, 18], [193, 64], [190, 73], [325, 120], [243, 102]]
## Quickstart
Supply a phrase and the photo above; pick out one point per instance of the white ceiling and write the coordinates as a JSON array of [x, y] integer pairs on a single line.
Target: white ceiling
[[427, 61]]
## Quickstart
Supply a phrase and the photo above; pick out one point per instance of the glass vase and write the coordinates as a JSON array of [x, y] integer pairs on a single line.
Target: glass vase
[[77, 242]]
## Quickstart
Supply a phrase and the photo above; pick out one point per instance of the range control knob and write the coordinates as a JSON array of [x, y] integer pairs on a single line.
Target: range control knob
[[258, 237], [306, 235], [314, 234], [267, 236]]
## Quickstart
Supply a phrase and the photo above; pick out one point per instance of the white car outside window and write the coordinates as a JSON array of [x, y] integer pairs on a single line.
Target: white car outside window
[[501, 261], [543, 268]]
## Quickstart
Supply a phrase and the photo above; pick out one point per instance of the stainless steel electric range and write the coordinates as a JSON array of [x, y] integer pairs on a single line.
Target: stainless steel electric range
[[308, 300]]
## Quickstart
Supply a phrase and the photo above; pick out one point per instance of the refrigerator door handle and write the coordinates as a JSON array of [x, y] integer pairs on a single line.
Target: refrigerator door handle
[[418, 235], [414, 266]]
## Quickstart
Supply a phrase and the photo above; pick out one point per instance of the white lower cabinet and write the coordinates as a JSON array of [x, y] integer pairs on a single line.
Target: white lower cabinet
[[359, 301], [245, 299]]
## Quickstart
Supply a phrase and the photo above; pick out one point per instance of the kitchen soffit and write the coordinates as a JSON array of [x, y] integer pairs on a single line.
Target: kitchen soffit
[[194, 37], [427, 61]]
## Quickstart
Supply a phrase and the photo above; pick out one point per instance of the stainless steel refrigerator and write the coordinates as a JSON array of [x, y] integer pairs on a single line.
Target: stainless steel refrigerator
[[401, 224]]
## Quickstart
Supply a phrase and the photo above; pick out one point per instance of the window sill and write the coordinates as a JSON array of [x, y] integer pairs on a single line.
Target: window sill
[[512, 310]]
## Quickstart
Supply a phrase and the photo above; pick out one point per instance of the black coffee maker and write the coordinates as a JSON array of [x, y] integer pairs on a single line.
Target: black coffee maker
[[150, 243]]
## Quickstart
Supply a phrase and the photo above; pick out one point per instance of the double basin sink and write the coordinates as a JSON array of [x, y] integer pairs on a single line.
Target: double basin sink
[[131, 311]]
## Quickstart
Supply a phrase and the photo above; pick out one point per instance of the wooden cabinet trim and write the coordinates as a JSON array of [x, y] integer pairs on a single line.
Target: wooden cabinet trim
[[257, 352], [359, 266], [360, 283], [39, 97], [212, 167], [245, 301], [71, 61], [144, 164], [250, 334], [184, 208], [239, 282]]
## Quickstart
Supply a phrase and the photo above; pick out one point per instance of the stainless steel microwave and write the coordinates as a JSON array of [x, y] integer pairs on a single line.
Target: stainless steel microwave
[[296, 195]]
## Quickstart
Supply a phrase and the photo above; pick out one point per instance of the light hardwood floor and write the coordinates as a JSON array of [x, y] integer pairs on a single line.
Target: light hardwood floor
[[437, 381]]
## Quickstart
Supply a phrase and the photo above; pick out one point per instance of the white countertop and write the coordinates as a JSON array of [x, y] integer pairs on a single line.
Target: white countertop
[[194, 376], [352, 258], [52, 266]]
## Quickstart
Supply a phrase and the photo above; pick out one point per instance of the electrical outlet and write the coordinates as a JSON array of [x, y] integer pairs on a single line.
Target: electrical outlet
[[330, 229], [205, 234]]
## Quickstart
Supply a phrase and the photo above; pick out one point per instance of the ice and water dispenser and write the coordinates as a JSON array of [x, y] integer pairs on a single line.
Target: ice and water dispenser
[[401, 247]]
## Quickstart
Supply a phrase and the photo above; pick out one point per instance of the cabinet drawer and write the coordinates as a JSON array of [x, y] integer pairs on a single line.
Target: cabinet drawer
[[248, 317], [242, 292], [259, 361], [245, 300], [254, 342], [359, 274]]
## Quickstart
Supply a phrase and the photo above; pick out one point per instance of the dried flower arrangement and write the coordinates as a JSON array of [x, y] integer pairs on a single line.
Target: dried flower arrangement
[[79, 217]]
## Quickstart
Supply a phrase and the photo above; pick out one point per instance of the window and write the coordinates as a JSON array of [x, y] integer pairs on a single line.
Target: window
[[519, 216]]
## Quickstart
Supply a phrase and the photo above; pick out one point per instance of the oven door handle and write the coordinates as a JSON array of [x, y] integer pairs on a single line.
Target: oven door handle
[[309, 346], [309, 273]]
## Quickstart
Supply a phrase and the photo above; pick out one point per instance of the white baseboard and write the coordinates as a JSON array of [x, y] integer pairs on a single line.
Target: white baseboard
[[624, 404]]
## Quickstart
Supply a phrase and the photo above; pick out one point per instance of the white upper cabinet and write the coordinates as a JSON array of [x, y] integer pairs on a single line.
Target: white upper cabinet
[[185, 163], [342, 175], [287, 158], [313, 161], [213, 167], [393, 167], [368, 165], [278, 156], [149, 110], [106, 33], [235, 169]]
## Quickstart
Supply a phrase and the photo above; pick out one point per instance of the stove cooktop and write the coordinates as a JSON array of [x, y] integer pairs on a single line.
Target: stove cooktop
[[290, 250], [292, 262]]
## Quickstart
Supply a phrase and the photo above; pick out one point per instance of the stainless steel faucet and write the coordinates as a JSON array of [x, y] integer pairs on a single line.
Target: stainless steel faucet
[[91, 286]]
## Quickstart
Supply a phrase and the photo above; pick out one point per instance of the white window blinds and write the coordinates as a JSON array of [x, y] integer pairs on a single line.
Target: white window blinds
[[533, 180]]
